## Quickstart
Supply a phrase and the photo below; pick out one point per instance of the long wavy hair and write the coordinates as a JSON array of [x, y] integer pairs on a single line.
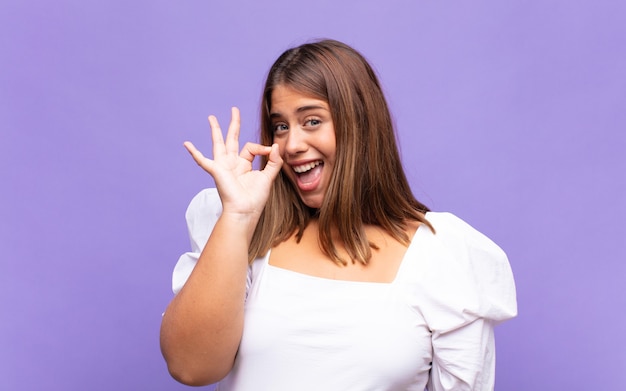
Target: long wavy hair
[[368, 185]]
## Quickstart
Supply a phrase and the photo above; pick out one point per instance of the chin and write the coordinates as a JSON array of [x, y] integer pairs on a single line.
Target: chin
[[314, 202]]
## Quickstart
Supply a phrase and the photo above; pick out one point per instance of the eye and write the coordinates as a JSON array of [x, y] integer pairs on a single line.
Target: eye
[[280, 127], [312, 122]]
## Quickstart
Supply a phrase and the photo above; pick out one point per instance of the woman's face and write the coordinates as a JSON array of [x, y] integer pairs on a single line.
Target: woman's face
[[304, 131]]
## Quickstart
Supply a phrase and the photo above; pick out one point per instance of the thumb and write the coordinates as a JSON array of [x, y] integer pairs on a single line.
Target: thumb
[[274, 164]]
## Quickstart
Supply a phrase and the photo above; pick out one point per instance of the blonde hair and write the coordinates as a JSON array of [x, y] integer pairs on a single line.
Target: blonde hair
[[368, 185]]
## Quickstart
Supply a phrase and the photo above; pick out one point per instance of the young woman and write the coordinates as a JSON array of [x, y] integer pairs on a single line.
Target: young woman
[[321, 271]]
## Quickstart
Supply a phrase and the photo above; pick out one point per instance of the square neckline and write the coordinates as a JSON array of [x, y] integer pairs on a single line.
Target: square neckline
[[266, 264]]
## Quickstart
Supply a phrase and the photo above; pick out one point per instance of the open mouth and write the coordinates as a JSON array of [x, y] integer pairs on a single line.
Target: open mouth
[[303, 168], [308, 175]]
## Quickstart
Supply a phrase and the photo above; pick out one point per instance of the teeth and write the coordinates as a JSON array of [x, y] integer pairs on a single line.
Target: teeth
[[306, 167]]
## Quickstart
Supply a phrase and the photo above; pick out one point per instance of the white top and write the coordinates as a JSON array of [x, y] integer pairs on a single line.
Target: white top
[[432, 326]]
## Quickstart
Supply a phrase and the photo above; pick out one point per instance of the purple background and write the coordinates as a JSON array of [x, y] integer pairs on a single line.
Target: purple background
[[511, 114]]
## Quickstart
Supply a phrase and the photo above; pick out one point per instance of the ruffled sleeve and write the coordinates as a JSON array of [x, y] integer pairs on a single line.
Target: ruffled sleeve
[[464, 288], [202, 214]]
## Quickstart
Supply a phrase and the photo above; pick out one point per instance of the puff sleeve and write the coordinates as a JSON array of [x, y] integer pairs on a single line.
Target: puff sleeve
[[201, 216], [465, 287]]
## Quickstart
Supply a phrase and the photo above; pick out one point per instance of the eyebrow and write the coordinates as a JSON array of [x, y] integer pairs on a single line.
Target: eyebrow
[[301, 110]]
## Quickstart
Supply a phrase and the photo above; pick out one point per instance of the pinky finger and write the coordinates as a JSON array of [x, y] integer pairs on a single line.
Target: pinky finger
[[197, 156]]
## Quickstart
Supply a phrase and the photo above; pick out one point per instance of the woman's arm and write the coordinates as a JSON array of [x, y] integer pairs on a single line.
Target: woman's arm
[[464, 359], [202, 326]]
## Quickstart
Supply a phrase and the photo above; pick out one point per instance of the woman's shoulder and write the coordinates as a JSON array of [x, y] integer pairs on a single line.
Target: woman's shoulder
[[457, 241], [454, 231], [459, 268]]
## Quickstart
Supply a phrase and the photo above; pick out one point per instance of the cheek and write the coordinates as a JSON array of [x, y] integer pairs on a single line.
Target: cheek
[[286, 169], [330, 146], [329, 141]]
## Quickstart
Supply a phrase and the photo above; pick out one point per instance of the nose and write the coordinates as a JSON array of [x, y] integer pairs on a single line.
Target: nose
[[296, 141]]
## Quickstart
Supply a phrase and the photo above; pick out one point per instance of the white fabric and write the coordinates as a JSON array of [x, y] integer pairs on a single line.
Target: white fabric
[[432, 326]]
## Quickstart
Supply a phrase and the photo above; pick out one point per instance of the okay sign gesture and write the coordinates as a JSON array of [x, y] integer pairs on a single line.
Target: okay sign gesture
[[242, 189]]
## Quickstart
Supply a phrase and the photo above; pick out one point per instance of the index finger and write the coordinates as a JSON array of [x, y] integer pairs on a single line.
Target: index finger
[[251, 150]]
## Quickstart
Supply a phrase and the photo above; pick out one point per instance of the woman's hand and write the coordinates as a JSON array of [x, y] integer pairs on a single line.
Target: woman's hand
[[242, 190]]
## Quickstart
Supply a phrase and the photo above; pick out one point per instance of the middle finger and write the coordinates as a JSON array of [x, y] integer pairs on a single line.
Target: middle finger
[[232, 137]]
